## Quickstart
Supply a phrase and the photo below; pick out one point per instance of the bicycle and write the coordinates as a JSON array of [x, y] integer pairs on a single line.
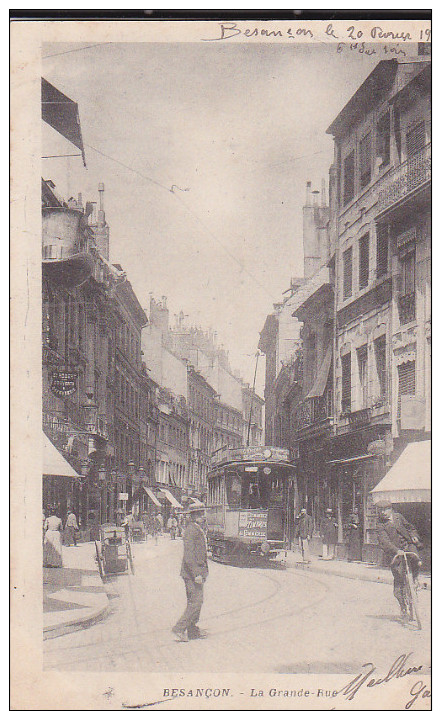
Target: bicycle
[[410, 592]]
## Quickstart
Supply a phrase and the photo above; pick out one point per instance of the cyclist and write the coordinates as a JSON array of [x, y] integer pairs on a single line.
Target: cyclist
[[396, 536]]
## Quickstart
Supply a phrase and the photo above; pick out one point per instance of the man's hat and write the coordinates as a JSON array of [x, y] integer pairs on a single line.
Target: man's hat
[[383, 505], [328, 510]]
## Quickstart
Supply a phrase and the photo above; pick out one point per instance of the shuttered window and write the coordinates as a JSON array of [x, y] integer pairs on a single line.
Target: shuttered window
[[406, 382], [380, 364], [346, 383], [347, 273], [415, 139], [382, 250], [383, 140], [363, 375], [363, 261], [408, 272], [348, 178], [365, 155]]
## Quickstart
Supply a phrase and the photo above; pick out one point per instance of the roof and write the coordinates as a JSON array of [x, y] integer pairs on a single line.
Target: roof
[[377, 84], [54, 464], [408, 480]]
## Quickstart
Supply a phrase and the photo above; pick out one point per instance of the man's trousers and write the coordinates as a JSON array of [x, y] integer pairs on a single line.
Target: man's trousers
[[195, 598]]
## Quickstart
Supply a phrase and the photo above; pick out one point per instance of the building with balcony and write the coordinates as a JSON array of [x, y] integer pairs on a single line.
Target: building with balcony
[[380, 231], [76, 318]]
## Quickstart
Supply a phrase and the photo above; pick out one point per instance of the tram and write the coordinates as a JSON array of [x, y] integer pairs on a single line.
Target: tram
[[248, 502]]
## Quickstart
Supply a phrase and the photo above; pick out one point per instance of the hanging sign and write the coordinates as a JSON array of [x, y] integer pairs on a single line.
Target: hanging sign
[[63, 383]]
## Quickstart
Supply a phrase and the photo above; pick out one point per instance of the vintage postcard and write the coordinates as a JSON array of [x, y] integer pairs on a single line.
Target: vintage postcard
[[221, 364]]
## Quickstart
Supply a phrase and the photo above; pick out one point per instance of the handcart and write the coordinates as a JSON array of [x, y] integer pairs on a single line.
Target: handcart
[[113, 552]]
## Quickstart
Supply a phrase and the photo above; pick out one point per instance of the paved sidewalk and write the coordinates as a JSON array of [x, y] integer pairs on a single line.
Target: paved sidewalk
[[354, 570], [73, 595]]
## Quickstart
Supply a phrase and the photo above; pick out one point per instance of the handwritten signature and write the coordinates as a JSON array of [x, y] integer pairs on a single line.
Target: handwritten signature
[[398, 670]]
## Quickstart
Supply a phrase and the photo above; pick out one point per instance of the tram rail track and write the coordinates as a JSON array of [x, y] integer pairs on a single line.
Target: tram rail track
[[135, 639]]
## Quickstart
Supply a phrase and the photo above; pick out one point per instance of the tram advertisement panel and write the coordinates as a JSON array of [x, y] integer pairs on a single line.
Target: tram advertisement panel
[[253, 524]]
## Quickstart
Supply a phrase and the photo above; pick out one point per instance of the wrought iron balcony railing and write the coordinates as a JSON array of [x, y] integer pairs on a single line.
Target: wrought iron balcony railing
[[406, 178], [313, 411]]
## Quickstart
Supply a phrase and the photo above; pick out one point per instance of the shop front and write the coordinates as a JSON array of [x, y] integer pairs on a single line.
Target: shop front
[[407, 485], [61, 483]]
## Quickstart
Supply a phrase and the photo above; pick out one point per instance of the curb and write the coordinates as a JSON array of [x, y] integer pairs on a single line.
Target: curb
[[61, 628], [344, 574]]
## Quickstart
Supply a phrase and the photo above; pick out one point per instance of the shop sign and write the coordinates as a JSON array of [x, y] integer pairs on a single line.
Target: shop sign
[[63, 383], [123, 496], [253, 524]]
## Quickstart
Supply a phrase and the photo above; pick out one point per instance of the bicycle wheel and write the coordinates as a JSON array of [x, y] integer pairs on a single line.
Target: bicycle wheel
[[412, 600]]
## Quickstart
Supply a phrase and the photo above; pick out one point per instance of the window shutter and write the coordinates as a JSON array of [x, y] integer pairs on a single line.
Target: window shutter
[[348, 177], [363, 265], [382, 250], [365, 160], [346, 383], [347, 273], [406, 381], [415, 139]]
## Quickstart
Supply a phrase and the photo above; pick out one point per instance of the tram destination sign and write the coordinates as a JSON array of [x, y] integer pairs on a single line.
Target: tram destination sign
[[253, 524]]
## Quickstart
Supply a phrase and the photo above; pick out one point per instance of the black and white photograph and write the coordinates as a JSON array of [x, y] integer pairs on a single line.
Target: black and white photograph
[[224, 402]]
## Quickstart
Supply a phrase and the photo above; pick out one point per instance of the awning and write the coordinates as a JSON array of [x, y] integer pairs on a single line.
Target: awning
[[61, 113], [318, 388], [174, 502], [408, 480], [54, 464], [150, 493]]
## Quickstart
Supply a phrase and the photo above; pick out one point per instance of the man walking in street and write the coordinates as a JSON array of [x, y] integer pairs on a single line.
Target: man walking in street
[[396, 536], [328, 531], [303, 531], [194, 571], [70, 529], [172, 526]]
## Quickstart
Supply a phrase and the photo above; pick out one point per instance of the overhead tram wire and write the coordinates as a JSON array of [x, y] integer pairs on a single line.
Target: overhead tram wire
[[77, 49], [188, 209]]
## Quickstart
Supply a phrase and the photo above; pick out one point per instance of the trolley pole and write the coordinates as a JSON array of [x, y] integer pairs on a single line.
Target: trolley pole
[[251, 401]]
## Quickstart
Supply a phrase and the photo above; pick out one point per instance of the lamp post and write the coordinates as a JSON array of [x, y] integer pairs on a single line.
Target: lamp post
[[90, 409], [131, 472]]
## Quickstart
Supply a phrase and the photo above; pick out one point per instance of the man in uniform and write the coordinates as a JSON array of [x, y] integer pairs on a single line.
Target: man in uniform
[[395, 536], [194, 571]]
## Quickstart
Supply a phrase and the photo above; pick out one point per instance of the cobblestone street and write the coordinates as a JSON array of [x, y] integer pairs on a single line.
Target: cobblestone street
[[264, 620]]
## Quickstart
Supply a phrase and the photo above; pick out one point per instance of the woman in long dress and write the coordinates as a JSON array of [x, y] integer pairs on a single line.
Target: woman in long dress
[[52, 555]]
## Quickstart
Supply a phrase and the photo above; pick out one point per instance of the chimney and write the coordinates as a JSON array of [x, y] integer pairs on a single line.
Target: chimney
[[315, 194], [164, 302], [80, 201], [308, 193]]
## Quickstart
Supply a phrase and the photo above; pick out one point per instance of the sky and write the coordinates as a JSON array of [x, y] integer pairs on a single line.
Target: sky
[[237, 130]]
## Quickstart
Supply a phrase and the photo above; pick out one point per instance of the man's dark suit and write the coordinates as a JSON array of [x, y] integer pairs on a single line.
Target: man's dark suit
[[194, 563], [396, 534]]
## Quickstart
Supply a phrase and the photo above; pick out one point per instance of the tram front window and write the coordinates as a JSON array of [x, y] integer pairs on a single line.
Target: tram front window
[[233, 491]]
